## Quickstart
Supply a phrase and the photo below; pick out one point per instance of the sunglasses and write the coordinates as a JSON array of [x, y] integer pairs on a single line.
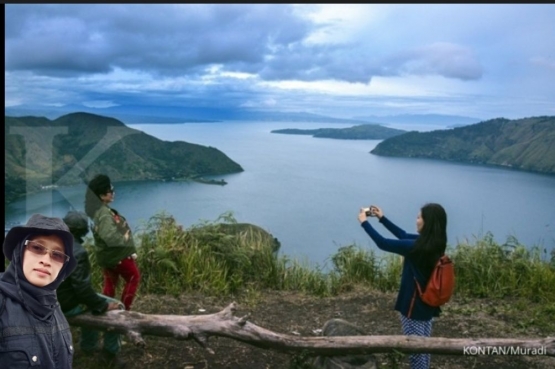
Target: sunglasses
[[111, 190], [38, 249]]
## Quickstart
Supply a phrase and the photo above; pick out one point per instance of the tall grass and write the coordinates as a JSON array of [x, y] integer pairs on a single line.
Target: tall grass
[[354, 266], [223, 258], [488, 269]]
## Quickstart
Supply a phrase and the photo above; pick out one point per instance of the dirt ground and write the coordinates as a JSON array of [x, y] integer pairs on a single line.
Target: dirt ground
[[294, 313]]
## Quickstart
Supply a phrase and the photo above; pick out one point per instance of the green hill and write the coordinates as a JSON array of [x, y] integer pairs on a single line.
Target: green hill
[[360, 132], [72, 148], [525, 144]]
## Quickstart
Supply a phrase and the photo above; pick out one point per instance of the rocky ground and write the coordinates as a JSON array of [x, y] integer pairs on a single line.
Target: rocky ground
[[294, 313]]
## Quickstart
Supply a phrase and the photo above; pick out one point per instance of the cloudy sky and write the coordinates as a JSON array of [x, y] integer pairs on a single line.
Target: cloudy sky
[[482, 61]]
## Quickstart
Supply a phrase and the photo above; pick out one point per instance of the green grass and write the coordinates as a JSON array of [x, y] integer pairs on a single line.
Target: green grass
[[488, 269], [210, 259]]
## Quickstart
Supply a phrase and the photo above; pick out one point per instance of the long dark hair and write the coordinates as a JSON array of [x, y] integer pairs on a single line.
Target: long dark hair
[[99, 185], [432, 241]]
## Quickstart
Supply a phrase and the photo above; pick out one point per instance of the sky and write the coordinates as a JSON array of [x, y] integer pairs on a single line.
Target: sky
[[344, 60]]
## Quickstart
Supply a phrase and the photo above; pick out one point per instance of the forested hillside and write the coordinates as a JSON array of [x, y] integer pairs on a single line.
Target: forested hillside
[[72, 148], [526, 144]]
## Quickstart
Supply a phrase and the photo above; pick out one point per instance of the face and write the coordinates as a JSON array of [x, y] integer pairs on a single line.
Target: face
[[108, 197], [41, 270], [419, 222]]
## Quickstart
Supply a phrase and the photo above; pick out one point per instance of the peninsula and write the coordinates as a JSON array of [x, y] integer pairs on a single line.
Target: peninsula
[[524, 144], [68, 150]]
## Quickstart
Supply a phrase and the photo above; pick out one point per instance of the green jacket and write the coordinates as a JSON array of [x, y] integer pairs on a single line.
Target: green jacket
[[109, 237]]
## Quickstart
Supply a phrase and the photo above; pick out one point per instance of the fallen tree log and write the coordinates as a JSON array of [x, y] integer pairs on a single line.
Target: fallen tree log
[[226, 324]]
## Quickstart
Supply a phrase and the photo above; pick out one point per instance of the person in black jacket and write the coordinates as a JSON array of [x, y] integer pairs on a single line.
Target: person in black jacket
[[76, 295], [33, 330]]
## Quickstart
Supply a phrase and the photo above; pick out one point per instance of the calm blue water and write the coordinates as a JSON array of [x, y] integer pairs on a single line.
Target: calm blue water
[[307, 191]]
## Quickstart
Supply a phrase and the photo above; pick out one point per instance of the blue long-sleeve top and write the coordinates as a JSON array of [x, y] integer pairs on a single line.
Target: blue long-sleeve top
[[408, 302]]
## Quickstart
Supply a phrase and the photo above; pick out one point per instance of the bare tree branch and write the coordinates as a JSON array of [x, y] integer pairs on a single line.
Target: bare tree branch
[[226, 324]]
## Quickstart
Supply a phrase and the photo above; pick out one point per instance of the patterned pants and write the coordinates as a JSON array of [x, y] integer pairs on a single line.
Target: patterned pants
[[417, 328]]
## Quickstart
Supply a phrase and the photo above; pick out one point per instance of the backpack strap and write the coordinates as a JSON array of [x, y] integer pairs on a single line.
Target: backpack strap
[[420, 292], [416, 272]]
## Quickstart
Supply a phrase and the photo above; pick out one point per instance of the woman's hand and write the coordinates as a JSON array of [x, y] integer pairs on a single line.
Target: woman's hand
[[376, 211], [362, 215]]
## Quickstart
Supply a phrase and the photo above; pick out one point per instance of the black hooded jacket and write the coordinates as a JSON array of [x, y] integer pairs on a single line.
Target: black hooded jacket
[[77, 288], [33, 330]]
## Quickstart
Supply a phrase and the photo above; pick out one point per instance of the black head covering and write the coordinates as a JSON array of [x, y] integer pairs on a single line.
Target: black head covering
[[39, 301], [100, 184], [77, 223]]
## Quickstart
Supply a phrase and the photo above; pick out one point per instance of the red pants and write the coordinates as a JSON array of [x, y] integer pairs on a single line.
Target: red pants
[[127, 268]]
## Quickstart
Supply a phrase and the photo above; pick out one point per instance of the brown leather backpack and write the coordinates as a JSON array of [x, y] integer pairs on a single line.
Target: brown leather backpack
[[441, 285]]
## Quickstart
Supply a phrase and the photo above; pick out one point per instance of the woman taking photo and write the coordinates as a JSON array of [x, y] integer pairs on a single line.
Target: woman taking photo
[[115, 248], [421, 252]]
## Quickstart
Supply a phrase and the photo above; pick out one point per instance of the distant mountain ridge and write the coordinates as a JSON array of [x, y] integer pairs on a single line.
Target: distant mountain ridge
[[360, 132], [134, 114], [524, 144], [88, 144], [417, 119], [177, 114]]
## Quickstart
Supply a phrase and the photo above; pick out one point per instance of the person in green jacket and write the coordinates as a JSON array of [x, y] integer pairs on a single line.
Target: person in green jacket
[[76, 296], [113, 240]]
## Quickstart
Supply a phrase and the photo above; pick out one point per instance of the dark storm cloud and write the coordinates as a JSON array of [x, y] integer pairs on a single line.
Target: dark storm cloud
[[357, 65], [177, 39], [320, 62], [169, 39], [166, 54]]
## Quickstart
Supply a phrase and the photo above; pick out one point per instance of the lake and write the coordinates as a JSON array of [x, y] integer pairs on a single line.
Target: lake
[[307, 191]]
